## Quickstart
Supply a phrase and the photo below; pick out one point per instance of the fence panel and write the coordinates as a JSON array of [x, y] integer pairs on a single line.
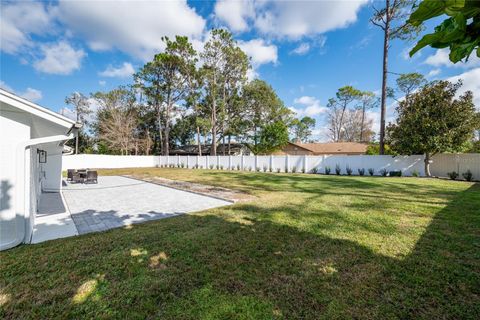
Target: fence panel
[[442, 163]]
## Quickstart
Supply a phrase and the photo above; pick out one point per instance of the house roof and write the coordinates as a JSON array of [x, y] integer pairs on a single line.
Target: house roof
[[35, 109], [334, 147]]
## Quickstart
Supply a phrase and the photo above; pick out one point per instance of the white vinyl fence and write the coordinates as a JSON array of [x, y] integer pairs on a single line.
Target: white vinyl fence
[[281, 163], [460, 163]]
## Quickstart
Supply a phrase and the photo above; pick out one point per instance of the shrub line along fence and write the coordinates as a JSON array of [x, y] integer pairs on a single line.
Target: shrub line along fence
[[356, 165]]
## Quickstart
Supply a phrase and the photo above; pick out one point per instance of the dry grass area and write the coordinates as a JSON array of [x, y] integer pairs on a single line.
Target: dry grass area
[[307, 247]]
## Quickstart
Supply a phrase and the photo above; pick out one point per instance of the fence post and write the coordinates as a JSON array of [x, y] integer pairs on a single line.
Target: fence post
[[207, 164], [271, 163], [305, 163], [287, 164], [218, 162], [187, 161], [242, 164], [256, 162], [229, 162]]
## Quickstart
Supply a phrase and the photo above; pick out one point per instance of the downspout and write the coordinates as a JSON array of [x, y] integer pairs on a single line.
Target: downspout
[[22, 202]]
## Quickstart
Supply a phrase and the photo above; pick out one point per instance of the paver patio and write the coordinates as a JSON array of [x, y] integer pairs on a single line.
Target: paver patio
[[118, 201]]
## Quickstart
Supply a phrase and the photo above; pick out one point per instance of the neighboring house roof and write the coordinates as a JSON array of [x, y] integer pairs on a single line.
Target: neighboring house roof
[[33, 108], [334, 147], [235, 148]]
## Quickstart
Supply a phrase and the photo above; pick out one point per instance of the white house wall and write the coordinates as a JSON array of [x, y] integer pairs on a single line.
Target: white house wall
[[14, 128]]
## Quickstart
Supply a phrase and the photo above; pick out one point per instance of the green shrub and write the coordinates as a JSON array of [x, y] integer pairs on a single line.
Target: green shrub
[[361, 172], [453, 175], [415, 173], [384, 172], [211, 166], [468, 175], [315, 170], [238, 167], [396, 173], [265, 168], [349, 171], [278, 170], [327, 170], [294, 169], [338, 170]]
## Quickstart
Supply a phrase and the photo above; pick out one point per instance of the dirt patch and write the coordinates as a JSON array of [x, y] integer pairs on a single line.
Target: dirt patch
[[211, 191]]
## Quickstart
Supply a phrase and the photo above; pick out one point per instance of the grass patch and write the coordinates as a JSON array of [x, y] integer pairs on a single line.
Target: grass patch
[[309, 247]]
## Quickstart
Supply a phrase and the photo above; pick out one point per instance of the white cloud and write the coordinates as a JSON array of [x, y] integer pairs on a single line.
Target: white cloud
[[434, 72], [235, 13], [259, 51], [471, 82], [302, 49], [134, 27], [123, 71], [311, 106], [20, 20], [291, 20], [440, 58], [59, 58], [30, 94]]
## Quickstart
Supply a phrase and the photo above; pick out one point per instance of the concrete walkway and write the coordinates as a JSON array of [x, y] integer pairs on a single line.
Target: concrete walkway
[[118, 201], [53, 219]]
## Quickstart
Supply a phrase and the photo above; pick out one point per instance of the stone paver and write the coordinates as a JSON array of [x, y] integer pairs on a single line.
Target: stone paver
[[118, 201]]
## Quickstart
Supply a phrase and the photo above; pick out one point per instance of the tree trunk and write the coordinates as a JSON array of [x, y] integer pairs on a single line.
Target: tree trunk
[[213, 149], [198, 142], [160, 135], [427, 164], [167, 126], [363, 121], [384, 77]]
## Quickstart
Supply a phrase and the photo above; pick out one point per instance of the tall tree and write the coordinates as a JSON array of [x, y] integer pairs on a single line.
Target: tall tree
[[272, 137], [117, 119], [432, 120], [391, 19], [460, 32], [409, 82], [345, 96], [214, 59], [367, 101], [302, 128], [81, 107], [263, 107]]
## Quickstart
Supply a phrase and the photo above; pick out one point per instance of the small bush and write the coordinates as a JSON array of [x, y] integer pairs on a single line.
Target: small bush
[[182, 165], [270, 169], [286, 169], [303, 170], [238, 167], [211, 167], [338, 170], [221, 167], [278, 170], [250, 168], [349, 170], [294, 169], [361, 172], [257, 169], [397, 173], [327, 170], [384, 172], [453, 175], [415, 173], [201, 167], [265, 168], [315, 170], [468, 175]]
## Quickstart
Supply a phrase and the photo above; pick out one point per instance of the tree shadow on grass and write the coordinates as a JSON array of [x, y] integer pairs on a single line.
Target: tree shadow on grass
[[209, 267]]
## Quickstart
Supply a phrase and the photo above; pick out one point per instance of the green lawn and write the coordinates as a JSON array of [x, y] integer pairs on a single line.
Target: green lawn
[[308, 247]]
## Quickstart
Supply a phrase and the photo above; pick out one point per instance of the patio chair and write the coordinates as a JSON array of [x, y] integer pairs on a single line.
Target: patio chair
[[77, 178], [92, 177], [70, 173]]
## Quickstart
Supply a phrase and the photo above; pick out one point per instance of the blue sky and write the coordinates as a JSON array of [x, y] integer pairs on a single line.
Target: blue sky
[[305, 50]]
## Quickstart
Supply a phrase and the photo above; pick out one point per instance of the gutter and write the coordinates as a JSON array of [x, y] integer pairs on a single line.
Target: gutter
[[22, 202]]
